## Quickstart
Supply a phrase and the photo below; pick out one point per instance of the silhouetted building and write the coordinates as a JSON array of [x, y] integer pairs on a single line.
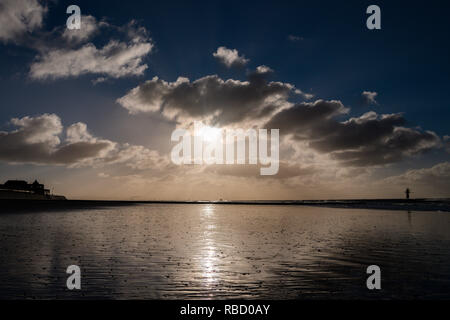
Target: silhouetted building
[[20, 185]]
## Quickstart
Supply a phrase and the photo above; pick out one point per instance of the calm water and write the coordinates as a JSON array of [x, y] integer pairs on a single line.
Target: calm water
[[224, 251]]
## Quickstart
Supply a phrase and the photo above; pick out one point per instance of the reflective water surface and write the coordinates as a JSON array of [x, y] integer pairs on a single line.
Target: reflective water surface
[[192, 251]]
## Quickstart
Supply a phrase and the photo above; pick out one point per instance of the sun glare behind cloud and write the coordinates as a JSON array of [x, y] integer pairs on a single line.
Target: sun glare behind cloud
[[209, 134]]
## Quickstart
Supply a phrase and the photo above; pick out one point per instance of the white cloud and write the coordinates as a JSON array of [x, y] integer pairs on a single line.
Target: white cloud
[[78, 132], [307, 96], [263, 69], [64, 53], [89, 27], [368, 98], [230, 57], [41, 129], [18, 17], [116, 59]]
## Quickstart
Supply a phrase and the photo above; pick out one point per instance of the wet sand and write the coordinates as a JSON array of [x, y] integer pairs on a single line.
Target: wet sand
[[205, 251]]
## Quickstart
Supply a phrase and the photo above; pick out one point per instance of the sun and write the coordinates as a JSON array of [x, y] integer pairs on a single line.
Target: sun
[[209, 134]]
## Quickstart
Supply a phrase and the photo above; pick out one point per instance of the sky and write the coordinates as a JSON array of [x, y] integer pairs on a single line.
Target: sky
[[361, 113]]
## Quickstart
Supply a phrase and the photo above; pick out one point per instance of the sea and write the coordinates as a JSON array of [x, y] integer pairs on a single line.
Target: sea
[[218, 251]]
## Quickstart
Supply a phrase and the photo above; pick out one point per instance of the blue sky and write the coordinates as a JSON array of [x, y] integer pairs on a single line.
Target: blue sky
[[333, 57]]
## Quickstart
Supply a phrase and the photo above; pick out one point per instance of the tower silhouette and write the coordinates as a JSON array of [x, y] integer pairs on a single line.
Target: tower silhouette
[[407, 191]]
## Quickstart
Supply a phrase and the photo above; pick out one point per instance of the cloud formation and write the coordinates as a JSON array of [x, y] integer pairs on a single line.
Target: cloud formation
[[433, 181], [38, 140], [263, 69], [230, 57], [90, 27], [367, 140], [116, 59], [217, 101], [368, 98], [64, 53], [19, 17], [287, 170]]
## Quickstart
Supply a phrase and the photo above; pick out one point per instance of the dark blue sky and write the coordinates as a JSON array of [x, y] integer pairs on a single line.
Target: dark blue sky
[[406, 62]]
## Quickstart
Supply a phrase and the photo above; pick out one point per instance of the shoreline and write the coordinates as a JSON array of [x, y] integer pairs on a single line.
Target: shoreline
[[436, 205]]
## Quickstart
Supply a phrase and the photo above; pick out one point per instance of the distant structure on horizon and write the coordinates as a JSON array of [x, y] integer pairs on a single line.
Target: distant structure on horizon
[[20, 189]]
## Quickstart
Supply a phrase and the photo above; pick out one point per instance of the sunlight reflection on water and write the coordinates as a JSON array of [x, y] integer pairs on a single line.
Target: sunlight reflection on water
[[209, 261]]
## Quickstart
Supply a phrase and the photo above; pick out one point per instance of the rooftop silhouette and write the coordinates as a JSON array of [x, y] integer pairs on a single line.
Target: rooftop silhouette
[[21, 189]]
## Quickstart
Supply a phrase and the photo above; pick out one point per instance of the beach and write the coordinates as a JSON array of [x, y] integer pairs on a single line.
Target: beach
[[218, 251]]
